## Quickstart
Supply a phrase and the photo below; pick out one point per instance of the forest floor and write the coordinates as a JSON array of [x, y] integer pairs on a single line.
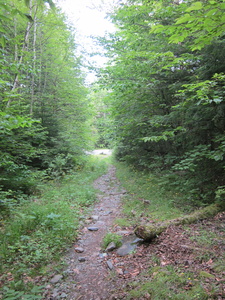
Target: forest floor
[[184, 262]]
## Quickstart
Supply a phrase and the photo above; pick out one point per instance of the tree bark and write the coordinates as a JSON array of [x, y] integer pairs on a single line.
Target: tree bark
[[151, 231]]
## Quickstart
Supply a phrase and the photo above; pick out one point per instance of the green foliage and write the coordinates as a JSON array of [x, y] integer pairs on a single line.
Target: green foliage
[[12, 294], [167, 98], [44, 112], [102, 123], [39, 231], [111, 237], [203, 23]]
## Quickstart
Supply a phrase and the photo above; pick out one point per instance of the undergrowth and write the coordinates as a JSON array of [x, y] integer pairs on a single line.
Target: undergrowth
[[169, 283], [39, 230], [148, 201], [145, 198]]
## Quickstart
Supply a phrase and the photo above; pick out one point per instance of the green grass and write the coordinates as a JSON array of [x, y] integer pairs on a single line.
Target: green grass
[[122, 222], [167, 283], [39, 231], [111, 237], [146, 199]]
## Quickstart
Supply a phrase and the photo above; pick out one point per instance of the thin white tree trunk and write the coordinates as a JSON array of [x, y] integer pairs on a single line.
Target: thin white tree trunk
[[24, 47]]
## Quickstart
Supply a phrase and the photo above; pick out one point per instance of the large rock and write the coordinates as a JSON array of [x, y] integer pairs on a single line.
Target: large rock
[[129, 245]]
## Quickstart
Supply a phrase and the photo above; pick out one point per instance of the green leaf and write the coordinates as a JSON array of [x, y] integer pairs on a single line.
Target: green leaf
[[183, 19], [195, 6], [27, 2], [211, 12], [3, 41]]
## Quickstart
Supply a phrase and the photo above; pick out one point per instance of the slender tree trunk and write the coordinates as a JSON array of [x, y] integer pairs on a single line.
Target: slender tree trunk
[[24, 47], [34, 61]]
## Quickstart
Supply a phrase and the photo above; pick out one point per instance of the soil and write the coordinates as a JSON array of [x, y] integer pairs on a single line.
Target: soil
[[91, 276]]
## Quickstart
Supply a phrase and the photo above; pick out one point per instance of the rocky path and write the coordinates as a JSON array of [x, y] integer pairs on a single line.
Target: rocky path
[[88, 272]]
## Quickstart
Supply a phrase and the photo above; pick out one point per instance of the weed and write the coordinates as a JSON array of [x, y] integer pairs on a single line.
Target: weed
[[219, 265], [111, 237], [204, 237], [33, 294]]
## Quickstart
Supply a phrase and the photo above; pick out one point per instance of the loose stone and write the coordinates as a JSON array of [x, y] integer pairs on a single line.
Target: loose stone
[[108, 213], [79, 249], [111, 247], [55, 293], [93, 228], [56, 278], [48, 287], [110, 265], [119, 271], [63, 295], [102, 255], [137, 241], [82, 259], [95, 218]]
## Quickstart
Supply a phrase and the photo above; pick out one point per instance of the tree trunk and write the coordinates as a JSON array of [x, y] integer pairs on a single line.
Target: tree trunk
[[151, 231], [34, 60], [24, 46]]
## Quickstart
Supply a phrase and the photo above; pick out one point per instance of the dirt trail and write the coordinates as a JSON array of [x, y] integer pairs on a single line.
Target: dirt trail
[[91, 277]]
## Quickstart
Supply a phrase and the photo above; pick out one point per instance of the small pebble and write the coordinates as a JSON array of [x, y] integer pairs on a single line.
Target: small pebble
[[56, 278], [107, 213], [95, 218], [63, 295], [93, 228], [79, 249], [110, 265], [102, 255], [48, 287], [82, 259]]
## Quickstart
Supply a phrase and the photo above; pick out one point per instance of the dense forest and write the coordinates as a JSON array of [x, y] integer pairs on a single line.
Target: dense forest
[[158, 103], [165, 79], [44, 111]]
